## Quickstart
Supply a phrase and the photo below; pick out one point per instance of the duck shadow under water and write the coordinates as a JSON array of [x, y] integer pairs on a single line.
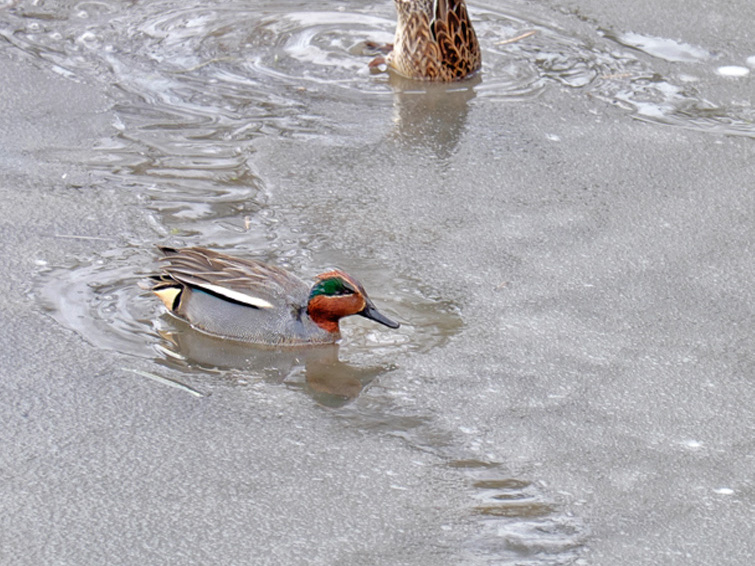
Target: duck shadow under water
[[317, 370], [431, 115]]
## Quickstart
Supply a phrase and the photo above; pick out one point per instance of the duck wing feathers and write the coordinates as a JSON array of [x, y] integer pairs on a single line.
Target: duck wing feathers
[[244, 281], [456, 39]]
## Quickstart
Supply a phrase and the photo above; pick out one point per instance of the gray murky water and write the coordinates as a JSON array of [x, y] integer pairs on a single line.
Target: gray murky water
[[259, 129]]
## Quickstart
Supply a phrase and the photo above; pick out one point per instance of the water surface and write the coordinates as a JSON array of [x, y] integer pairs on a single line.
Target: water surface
[[259, 130]]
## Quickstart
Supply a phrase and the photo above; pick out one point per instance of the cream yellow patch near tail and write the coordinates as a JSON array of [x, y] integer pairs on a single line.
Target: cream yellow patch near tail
[[168, 296]]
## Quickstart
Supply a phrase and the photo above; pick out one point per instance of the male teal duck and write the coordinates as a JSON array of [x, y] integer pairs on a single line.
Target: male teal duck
[[251, 301], [434, 41]]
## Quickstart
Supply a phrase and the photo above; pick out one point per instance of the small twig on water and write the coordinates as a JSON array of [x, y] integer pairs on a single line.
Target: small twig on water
[[166, 381], [517, 38], [203, 64], [75, 237]]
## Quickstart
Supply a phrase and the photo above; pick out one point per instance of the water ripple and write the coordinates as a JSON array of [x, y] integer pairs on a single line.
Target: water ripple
[[213, 69], [105, 304]]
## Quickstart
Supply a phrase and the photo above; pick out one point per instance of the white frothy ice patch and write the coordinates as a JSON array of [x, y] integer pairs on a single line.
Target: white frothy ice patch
[[733, 71], [663, 48]]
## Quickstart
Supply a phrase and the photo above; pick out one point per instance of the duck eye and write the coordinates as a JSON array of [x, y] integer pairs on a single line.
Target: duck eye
[[344, 289]]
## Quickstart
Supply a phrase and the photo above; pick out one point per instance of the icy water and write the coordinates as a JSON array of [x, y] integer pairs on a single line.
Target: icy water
[[258, 129]]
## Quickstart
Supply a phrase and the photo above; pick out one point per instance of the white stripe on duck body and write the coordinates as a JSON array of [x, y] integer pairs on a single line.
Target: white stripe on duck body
[[251, 301], [434, 41]]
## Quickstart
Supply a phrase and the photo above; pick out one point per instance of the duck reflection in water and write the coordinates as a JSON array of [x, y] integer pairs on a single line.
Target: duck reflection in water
[[315, 370], [430, 116]]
